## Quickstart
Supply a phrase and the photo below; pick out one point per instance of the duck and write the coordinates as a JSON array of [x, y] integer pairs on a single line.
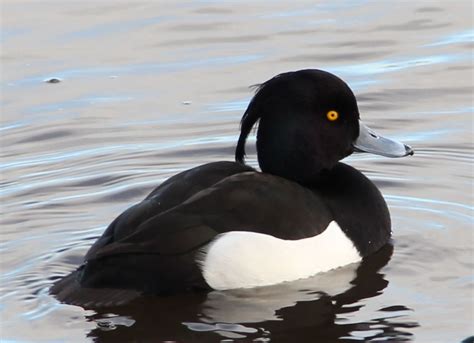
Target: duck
[[226, 225]]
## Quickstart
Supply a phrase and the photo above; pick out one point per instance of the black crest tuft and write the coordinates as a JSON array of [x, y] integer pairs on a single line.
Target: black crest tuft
[[250, 117]]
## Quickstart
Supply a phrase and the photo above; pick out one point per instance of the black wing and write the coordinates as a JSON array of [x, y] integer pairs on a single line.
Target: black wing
[[169, 194]]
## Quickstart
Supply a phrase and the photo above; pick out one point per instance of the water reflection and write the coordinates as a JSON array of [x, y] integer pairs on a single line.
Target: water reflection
[[318, 308]]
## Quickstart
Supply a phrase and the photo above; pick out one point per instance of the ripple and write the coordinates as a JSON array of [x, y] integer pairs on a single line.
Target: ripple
[[98, 151], [414, 25], [397, 65], [460, 37], [111, 28], [335, 57], [137, 69]]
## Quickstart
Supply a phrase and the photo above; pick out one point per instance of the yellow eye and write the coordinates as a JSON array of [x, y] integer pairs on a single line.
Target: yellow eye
[[332, 115]]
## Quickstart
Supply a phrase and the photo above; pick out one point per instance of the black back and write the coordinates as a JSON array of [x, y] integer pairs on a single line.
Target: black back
[[152, 247]]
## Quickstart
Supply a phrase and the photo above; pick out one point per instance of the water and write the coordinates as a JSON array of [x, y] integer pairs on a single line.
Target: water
[[148, 89]]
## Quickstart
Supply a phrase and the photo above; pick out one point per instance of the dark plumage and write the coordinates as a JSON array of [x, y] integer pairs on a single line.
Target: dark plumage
[[153, 247]]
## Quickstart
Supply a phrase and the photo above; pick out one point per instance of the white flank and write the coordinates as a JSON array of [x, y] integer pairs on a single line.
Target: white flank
[[241, 259]]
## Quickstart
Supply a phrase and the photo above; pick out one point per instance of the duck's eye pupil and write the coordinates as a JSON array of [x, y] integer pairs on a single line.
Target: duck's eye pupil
[[332, 115]]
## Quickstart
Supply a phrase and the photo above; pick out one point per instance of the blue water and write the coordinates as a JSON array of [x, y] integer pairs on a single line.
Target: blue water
[[150, 89]]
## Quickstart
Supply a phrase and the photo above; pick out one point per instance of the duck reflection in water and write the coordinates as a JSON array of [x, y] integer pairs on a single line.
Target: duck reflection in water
[[308, 310]]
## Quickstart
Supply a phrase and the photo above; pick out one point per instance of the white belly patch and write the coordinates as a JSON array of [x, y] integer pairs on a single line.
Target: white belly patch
[[241, 259]]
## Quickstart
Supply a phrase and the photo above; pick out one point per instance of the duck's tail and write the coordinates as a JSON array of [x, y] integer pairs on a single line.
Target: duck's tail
[[69, 291]]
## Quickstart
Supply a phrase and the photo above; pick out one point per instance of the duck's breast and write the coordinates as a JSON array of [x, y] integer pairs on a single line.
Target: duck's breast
[[243, 259]]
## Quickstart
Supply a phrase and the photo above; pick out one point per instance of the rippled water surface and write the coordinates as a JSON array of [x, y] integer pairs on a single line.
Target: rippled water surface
[[148, 89]]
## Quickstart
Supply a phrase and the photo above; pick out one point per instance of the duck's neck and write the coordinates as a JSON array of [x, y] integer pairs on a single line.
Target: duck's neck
[[284, 152]]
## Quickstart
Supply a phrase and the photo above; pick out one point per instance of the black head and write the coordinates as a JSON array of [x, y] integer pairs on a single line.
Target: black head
[[308, 122]]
